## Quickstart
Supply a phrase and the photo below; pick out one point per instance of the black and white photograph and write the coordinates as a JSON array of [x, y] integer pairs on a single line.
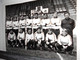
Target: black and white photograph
[[41, 30]]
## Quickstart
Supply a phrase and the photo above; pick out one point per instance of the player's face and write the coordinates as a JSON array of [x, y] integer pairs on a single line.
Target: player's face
[[67, 15], [36, 15], [39, 30], [11, 32], [14, 19], [29, 31], [49, 31], [24, 17], [64, 33], [20, 30]]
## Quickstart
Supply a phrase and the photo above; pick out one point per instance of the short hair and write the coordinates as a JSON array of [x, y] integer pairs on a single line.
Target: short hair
[[66, 13], [29, 29], [39, 28]]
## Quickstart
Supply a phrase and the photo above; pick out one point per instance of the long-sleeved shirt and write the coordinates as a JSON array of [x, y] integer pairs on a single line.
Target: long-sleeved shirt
[[21, 36], [39, 36], [36, 22], [22, 23], [12, 36], [15, 24], [56, 21], [51, 37], [29, 37], [9, 24], [68, 24], [65, 40], [45, 21]]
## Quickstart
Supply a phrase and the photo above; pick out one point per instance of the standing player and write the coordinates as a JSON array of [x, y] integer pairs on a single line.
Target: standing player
[[36, 22], [15, 24], [56, 23], [8, 24], [22, 21], [28, 22]]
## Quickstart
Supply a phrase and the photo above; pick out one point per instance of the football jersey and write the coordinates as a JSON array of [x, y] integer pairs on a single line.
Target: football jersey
[[64, 40], [45, 21], [51, 37], [15, 24], [36, 22], [11, 36], [9, 24], [29, 37], [22, 23], [28, 23], [21, 36], [56, 21], [39, 36]]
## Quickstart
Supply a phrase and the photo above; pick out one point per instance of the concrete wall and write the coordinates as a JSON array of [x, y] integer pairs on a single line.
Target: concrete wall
[[2, 29]]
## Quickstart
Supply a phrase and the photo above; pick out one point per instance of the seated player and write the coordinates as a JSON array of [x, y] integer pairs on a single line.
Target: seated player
[[21, 38], [11, 38], [39, 38], [50, 39], [29, 40], [65, 42]]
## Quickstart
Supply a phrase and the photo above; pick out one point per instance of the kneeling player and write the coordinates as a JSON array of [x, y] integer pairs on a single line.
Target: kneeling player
[[50, 39], [11, 38], [21, 38], [65, 42], [29, 41], [39, 39]]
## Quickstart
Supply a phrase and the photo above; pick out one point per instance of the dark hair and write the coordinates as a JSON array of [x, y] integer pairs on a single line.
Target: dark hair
[[56, 12], [29, 29], [39, 27], [67, 13]]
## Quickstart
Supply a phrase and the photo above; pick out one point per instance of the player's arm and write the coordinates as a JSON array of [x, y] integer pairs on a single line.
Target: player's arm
[[14, 36], [47, 39], [42, 36], [9, 36], [70, 40], [59, 38]]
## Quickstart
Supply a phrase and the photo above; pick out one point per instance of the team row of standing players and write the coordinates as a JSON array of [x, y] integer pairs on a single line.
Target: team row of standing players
[[39, 38]]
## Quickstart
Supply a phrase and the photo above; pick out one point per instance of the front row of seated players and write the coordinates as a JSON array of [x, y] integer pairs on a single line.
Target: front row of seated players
[[18, 41], [40, 41]]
